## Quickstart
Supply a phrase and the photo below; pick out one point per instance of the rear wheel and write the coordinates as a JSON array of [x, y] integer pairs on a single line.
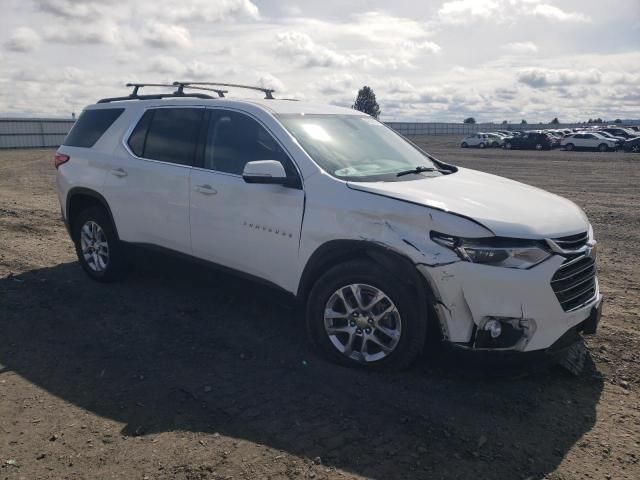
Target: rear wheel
[[358, 315], [98, 248], [603, 147], [635, 148], [508, 146], [539, 146], [464, 145], [482, 145], [569, 146]]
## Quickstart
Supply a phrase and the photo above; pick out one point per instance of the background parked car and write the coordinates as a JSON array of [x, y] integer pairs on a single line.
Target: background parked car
[[619, 132], [530, 141], [619, 140], [588, 140], [632, 145], [496, 140], [479, 139]]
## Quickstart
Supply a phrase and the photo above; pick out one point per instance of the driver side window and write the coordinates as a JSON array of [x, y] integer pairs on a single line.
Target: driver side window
[[234, 139]]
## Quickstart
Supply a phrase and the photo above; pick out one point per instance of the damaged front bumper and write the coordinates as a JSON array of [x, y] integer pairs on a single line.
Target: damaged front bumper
[[482, 307]]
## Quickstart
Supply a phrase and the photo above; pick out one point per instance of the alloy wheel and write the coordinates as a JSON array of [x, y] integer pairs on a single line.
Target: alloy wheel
[[94, 246], [362, 323]]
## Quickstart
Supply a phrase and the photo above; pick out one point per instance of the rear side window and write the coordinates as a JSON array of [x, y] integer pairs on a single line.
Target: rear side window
[[168, 135], [90, 126]]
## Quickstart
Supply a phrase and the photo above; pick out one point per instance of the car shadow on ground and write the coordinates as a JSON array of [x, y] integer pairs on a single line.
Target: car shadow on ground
[[180, 347]]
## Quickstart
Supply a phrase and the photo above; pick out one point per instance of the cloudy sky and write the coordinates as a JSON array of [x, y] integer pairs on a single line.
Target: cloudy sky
[[426, 60]]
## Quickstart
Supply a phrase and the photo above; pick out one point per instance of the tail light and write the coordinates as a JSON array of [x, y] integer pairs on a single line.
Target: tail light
[[59, 159]]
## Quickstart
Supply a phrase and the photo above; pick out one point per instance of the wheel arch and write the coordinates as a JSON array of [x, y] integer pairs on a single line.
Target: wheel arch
[[335, 252], [79, 198]]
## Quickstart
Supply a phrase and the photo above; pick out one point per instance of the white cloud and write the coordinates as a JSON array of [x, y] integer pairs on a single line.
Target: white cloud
[[23, 39], [161, 35], [425, 46], [268, 80], [334, 84], [86, 9], [166, 65], [541, 78], [301, 47], [554, 13], [467, 11], [423, 61], [464, 12], [80, 33], [202, 10], [520, 47]]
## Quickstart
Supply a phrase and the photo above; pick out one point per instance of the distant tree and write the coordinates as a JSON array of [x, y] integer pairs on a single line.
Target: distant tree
[[590, 120], [555, 121], [504, 122], [597, 120], [523, 122], [617, 120], [366, 102], [469, 120]]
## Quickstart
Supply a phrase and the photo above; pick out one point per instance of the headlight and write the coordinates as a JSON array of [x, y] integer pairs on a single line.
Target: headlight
[[498, 252]]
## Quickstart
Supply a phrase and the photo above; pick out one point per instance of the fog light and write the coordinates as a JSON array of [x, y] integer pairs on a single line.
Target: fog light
[[494, 328]]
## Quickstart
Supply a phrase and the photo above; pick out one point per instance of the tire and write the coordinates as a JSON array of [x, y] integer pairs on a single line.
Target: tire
[[603, 147], [569, 146], [464, 145], [635, 148], [107, 262], [403, 318], [508, 146], [482, 145], [539, 146]]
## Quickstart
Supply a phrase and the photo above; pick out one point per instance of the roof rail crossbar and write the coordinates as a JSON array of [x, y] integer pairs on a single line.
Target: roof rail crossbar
[[268, 92], [155, 96], [219, 92]]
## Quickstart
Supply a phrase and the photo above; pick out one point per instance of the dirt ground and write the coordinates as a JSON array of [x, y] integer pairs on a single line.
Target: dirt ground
[[181, 372]]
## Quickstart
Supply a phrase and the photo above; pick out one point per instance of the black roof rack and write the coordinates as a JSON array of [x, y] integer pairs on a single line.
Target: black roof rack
[[268, 92], [154, 96], [179, 92]]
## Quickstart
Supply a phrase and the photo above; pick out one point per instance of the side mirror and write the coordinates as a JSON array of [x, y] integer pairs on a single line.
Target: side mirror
[[264, 171]]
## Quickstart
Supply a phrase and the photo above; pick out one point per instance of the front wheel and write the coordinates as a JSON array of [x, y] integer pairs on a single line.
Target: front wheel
[[358, 315], [603, 147], [508, 146], [539, 146], [464, 145], [99, 250], [482, 145], [635, 148], [569, 146]]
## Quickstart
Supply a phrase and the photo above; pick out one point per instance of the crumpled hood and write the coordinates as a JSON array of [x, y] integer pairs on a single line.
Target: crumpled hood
[[506, 207]]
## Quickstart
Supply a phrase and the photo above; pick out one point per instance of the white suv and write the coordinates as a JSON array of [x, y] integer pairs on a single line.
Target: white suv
[[383, 243], [589, 140]]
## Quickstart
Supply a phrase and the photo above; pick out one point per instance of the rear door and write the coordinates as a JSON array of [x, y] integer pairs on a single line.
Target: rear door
[[253, 228], [148, 187]]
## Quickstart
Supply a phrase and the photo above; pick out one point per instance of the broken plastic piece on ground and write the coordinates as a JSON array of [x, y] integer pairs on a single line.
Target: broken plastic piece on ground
[[575, 358]]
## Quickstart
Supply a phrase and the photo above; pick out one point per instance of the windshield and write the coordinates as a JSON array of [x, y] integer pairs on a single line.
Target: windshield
[[356, 148]]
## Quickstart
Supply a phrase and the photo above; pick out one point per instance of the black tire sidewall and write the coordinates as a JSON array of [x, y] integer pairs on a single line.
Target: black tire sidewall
[[414, 327], [115, 267]]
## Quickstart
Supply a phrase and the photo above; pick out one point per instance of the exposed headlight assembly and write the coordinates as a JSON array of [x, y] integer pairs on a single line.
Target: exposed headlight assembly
[[495, 251]]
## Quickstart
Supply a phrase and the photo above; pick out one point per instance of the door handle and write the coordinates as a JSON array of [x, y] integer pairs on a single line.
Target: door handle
[[118, 172], [206, 189]]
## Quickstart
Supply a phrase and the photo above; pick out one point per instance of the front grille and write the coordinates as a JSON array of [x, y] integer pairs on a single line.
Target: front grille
[[575, 282], [572, 242]]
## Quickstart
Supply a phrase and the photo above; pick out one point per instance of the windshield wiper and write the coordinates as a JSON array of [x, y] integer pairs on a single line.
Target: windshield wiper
[[419, 169]]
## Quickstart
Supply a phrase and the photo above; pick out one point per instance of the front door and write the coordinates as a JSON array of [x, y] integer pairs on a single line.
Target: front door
[[252, 228]]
